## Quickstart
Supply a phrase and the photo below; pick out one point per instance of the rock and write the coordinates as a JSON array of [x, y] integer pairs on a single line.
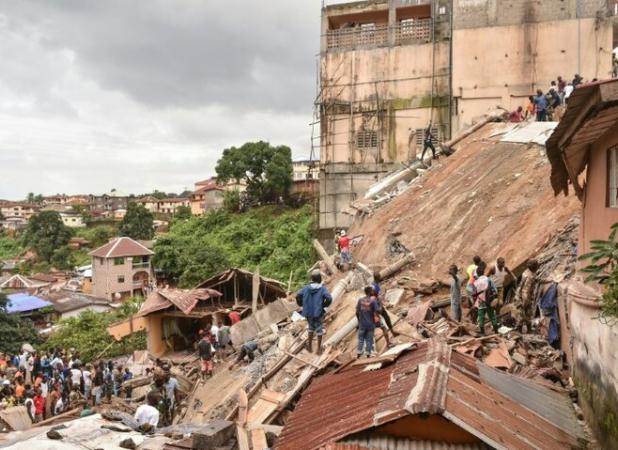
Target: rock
[[127, 443], [213, 434], [53, 434]]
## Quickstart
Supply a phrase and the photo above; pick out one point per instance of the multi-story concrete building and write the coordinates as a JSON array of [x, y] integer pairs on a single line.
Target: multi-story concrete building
[[19, 209], [389, 68], [304, 168], [109, 202], [121, 268]]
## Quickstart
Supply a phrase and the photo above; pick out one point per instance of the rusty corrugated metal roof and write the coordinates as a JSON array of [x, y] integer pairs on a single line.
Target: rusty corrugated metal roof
[[390, 443], [184, 299], [427, 380]]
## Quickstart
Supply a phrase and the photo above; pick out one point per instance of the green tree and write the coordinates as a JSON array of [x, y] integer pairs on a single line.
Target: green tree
[[182, 212], [46, 233], [137, 223], [101, 235], [15, 331], [63, 258], [231, 201], [30, 197], [88, 334], [267, 170], [204, 262]]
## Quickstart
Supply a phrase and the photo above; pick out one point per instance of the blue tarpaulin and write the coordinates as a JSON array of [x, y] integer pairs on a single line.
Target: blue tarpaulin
[[24, 302]]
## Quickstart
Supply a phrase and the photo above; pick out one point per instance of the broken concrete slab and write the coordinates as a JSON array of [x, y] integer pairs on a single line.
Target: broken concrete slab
[[16, 418], [249, 327], [213, 434], [394, 296]]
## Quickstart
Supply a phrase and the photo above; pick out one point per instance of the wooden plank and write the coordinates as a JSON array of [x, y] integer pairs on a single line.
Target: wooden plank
[[17, 418], [255, 289], [272, 396], [258, 439], [243, 403], [243, 438], [261, 410], [274, 429], [298, 358]]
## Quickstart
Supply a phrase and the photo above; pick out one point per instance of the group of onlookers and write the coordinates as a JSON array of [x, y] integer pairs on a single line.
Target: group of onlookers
[[548, 106]]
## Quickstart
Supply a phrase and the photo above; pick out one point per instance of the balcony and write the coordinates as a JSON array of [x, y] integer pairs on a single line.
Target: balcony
[[417, 31], [141, 265]]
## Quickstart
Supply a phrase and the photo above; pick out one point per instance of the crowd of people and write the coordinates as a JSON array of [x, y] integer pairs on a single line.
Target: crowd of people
[[489, 288], [548, 106], [50, 383]]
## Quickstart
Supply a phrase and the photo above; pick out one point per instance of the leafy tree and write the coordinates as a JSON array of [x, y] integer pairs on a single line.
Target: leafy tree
[[603, 269], [101, 235], [231, 201], [88, 334], [137, 223], [276, 239], [183, 212], [15, 331], [267, 170], [10, 248], [46, 233], [30, 197], [63, 258]]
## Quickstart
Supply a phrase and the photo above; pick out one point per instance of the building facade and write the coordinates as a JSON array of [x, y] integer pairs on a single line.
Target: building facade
[[121, 268], [72, 219], [18, 209], [583, 151], [109, 202], [391, 68]]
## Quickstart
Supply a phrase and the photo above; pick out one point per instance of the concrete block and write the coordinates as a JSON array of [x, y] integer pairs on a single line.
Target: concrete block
[[213, 434], [394, 296]]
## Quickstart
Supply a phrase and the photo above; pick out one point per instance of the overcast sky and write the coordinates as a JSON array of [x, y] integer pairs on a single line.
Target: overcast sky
[[144, 94]]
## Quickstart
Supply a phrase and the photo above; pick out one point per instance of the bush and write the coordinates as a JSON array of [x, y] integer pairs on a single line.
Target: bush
[[88, 334], [276, 239], [10, 248]]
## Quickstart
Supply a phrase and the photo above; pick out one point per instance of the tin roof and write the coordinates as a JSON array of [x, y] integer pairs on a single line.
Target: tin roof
[[22, 302], [184, 299], [430, 380], [591, 110]]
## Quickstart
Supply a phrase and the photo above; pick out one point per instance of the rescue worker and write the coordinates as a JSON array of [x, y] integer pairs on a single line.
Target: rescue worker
[[163, 406], [313, 298], [524, 297]]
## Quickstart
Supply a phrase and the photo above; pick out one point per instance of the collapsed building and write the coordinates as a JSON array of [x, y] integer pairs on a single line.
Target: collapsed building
[[391, 68]]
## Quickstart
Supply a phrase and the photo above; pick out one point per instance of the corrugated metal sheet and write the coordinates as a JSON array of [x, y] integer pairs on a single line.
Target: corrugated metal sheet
[[337, 406], [371, 442], [530, 132]]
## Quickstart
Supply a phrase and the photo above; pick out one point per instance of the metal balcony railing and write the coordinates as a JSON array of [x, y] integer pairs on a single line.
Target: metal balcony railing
[[412, 32]]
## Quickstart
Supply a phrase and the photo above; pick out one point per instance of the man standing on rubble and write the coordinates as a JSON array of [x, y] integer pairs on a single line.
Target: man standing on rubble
[[313, 298], [498, 274], [455, 293], [343, 244], [428, 143], [367, 313], [386, 323], [524, 297], [484, 293], [205, 350]]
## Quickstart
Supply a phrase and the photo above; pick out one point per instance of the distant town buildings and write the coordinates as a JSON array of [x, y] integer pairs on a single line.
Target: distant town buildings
[[108, 202], [208, 195]]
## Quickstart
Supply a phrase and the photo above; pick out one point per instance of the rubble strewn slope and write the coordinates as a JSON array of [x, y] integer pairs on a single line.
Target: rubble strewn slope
[[490, 198]]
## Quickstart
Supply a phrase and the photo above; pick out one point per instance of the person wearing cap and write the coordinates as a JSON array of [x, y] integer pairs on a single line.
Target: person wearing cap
[[313, 298], [343, 244]]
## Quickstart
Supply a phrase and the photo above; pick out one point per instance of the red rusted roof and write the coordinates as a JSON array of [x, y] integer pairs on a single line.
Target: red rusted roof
[[428, 380], [184, 299], [121, 247]]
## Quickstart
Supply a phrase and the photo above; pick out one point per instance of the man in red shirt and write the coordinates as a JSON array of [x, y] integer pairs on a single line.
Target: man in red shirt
[[343, 243], [234, 317]]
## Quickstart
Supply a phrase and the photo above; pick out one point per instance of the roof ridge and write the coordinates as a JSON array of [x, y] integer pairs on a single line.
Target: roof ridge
[[116, 242]]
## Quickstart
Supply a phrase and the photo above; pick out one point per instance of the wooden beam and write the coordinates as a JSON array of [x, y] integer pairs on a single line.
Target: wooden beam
[[298, 358], [325, 257]]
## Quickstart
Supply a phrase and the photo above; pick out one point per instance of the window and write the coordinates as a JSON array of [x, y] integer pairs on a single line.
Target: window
[[612, 177], [120, 278], [366, 139], [420, 135], [118, 261]]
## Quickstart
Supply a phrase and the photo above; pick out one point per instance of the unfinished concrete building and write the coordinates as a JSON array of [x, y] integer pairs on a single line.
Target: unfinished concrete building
[[389, 68]]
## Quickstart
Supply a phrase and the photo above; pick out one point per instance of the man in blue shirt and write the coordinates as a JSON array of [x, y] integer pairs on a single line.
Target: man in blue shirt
[[541, 106], [313, 298], [367, 310]]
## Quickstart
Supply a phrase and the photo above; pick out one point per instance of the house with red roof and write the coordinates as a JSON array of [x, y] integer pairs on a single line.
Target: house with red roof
[[121, 268]]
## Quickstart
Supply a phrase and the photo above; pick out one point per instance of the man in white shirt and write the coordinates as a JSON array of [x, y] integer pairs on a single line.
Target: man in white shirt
[[147, 416], [87, 374], [76, 376]]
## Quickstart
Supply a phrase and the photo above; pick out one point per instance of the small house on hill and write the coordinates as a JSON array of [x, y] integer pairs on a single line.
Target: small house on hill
[[20, 282], [173, 317], [121, 268]]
